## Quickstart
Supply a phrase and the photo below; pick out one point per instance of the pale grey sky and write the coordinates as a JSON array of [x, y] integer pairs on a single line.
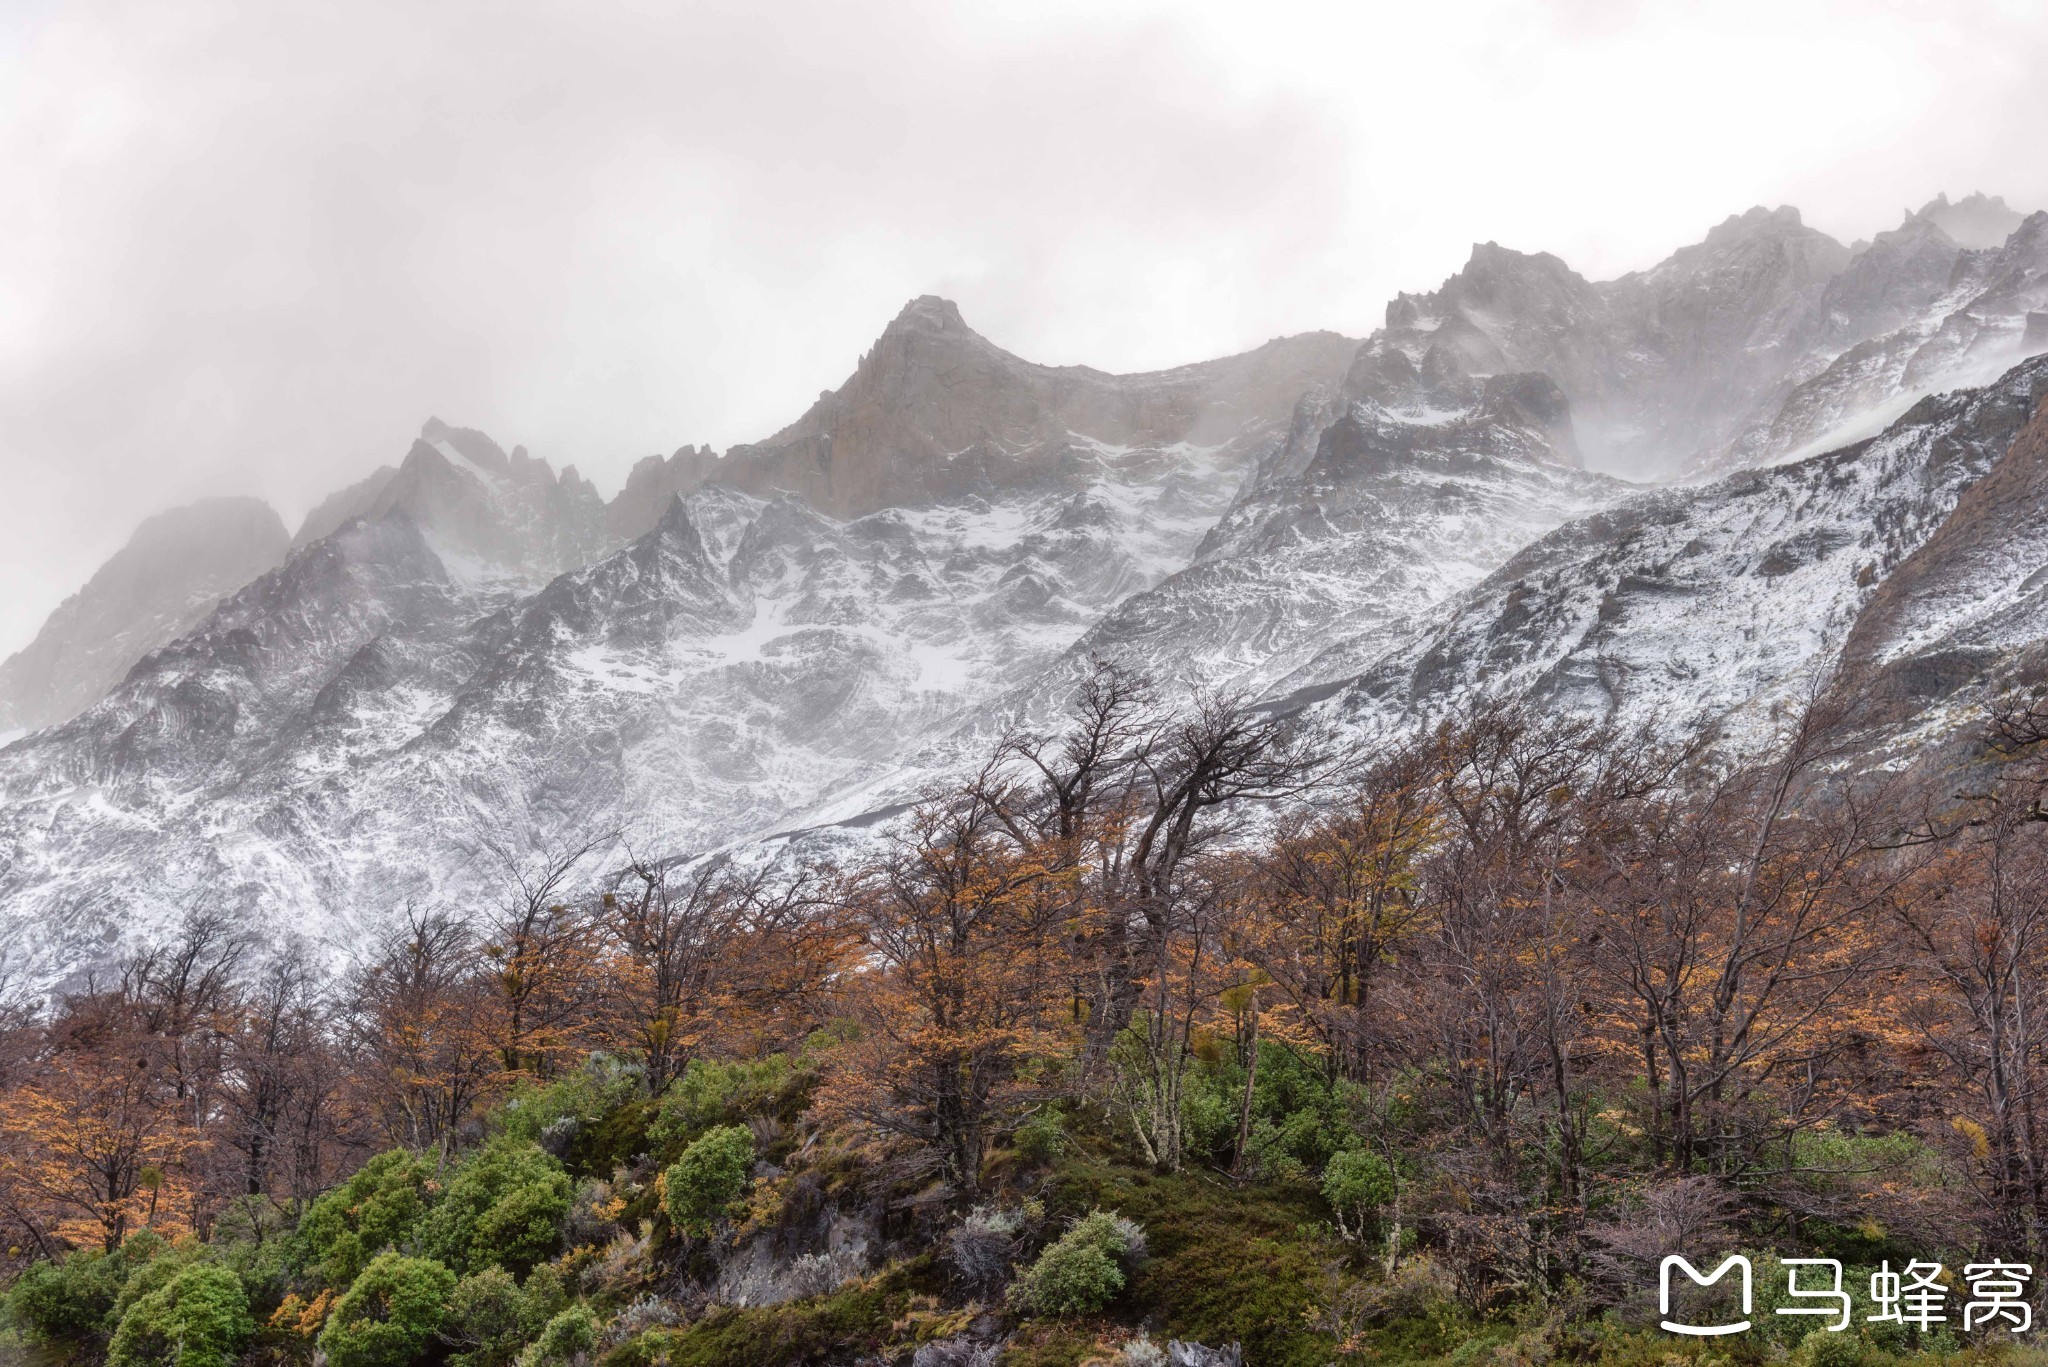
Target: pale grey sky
[[248, 248]]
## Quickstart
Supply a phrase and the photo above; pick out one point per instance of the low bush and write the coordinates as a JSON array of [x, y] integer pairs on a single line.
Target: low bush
[[1357, 1183], [504, 1208], [73, 1300], [198, 1318], [1822, 1348], [701, 1188], [979, 1250], [390, 1315], [567, 1339], [375, 1210], [710, 1094], [1084, 1269], [487, 1321]]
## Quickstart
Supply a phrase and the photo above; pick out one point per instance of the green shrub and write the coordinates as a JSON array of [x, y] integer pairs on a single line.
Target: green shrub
[[503, 1209], [1300, 1117], [486, 1320], [567, 1336], [1357, 1183], [1084, 1269], [198, 1318], [1042, 1138], [253, 1238], [151, 1276], [571, 1116], [390, 1314], [62, 1301], [547, 1295], [702, 1187], [1208, 1110], [374, 1210], [712, 1094], [73, 1300], [1822, 1348]]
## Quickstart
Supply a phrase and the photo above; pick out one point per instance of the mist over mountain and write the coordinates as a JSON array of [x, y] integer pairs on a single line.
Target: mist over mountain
[[468, 653], [160, 585]]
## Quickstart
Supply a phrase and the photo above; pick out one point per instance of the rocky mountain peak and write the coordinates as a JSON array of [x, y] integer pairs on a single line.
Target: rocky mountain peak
[[1497, 276], [1976, 221], [934, 409], [678, 530], [927, 314], [492, 515], [652, 483], [1758, 221], [473, 445], [2030, 236]]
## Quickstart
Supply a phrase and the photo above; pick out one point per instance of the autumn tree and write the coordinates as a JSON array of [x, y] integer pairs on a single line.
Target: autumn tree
[[541, 946], [1343, 891], [1736, 921], [418, 1020], [277, 1119], [1975, 922], [962, 928], [700, 952], [92, 1143]]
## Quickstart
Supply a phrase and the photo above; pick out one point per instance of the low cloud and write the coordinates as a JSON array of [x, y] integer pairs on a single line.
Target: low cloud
[[250, 249]]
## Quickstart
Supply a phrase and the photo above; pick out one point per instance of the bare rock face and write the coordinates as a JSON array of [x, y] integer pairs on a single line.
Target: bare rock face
[[934, 410], [651, 484], [173, 570], [1974, 596]]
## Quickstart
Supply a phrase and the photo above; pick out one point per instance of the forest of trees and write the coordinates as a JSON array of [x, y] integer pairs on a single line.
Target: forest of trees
[[1176, 1022]]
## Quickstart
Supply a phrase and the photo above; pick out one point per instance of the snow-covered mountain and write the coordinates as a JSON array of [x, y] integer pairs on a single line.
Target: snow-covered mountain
[[1393, 492], [160, 585], [1714, 606], [369, 720], [1915, 312], [467, 654], [1658, 365], [1966, 614], [492, 518], [1767, 341]]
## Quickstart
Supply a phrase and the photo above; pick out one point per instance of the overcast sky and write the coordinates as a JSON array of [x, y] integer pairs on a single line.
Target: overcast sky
[[248, 248]]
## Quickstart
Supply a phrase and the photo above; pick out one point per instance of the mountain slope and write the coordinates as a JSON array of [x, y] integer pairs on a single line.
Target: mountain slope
[[1393, 492], [1962, 611], [1683, 609], [1915, 313], [155, 588]]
